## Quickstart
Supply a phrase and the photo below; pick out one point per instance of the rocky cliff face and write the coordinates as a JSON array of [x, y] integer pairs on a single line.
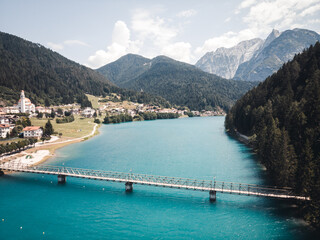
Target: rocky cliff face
[[224, 62], [276, 50], [255, 60]]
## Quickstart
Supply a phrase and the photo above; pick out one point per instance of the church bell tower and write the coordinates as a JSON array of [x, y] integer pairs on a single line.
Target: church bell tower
[[23, 102]]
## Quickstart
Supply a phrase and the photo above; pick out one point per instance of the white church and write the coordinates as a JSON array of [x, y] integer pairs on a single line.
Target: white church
[[25, 105]]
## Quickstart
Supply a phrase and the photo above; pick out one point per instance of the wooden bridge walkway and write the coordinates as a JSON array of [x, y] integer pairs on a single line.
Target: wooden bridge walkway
[[160, 181]]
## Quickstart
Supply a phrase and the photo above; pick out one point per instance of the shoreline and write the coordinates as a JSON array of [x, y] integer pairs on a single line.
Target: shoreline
[[44, 151], [37, 154]]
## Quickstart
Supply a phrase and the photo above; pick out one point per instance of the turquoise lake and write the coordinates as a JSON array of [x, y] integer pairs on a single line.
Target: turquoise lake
[[37, 207]]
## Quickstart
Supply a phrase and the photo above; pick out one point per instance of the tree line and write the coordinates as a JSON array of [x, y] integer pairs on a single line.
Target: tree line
[[282, 116], [16, 146], [142, 116]]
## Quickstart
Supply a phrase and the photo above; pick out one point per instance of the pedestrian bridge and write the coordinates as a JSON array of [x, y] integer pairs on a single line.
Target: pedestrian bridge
[[159, 181]]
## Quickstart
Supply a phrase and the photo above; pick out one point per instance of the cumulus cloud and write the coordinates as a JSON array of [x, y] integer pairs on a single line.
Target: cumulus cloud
[[311, 10], [278, 14], [187, 13], [261, 17], [180, 51], [159, 35], [152, 28], [244, 4], [121, 45]]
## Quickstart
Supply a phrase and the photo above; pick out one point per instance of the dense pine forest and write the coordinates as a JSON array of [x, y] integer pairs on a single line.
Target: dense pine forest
[[282, 116], [51, 79]]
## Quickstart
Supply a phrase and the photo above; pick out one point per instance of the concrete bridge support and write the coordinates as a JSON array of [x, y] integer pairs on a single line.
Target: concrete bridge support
[[129, 187], [212, 196], [61, 179]]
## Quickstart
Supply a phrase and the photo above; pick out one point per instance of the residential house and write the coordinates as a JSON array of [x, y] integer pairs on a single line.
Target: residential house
[[88, 112], [43, 109], [32, 132], [4, 130]]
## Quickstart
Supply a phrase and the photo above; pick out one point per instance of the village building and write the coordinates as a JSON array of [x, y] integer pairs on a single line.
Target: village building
[[88, 112], [32, 132], [4, 130], [4, 120], [43, 110], [11, 110], [25, 105]]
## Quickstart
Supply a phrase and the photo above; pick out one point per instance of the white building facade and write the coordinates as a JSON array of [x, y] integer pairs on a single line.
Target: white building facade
[[32, 132], [4, 130], [25, 105]]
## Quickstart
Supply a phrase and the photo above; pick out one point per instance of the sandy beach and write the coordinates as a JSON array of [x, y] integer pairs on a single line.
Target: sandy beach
[[44, 150]]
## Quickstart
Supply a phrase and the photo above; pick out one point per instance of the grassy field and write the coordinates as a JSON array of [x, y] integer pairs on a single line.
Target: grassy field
[[78, 128], [94, 100]]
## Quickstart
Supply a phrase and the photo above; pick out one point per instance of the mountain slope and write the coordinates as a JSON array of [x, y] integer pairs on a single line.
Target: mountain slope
[[275, 52], [46, 76], [224, 62], [179, 83], [283, 115], [125, 68]]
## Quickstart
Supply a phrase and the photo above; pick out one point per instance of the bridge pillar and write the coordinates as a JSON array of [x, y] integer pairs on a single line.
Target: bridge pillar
[[129, 187], [61, 179], [1, 173], [212, 196]]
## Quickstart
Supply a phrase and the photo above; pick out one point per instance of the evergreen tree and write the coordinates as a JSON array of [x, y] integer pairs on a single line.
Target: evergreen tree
[[48, 130], [283, 115]]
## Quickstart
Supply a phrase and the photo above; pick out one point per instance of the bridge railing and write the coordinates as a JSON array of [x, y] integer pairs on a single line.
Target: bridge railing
[[228, 187], [241, 188]]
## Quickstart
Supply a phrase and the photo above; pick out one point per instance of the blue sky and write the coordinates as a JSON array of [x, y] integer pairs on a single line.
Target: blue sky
[[97, 32]]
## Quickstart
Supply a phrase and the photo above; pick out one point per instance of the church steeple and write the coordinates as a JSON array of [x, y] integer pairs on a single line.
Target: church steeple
[[23, 102]]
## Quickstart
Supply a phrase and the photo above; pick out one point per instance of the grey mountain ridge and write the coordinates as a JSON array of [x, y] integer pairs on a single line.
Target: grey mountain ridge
[[280, 50], [224, 62], [267, 57]]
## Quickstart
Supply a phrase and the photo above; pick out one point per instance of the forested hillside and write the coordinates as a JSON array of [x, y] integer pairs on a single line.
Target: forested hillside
[[180, 83], [282, 115], [47, 77]]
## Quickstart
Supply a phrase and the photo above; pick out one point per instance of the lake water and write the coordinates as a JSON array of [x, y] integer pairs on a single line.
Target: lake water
[[36, 207]]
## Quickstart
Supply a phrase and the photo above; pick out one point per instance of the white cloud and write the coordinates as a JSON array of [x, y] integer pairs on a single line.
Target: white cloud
[[75, 42], [150, 28], [60, 46], [55, 46], [244, 4], [311, 10], [280, 14], [227, 19], [180, 51], [121, 45], [158, 35], [228, 39], [187, 13]]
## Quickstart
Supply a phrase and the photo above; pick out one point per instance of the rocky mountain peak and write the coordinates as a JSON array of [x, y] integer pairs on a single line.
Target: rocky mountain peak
[[225, 61]]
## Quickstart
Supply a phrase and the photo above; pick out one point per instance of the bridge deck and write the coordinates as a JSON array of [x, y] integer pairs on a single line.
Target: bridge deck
[[160, 181]]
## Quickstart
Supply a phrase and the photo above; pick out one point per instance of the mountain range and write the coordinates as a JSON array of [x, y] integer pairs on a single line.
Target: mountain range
[[256, 59], [180, 83], [47, 77]]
